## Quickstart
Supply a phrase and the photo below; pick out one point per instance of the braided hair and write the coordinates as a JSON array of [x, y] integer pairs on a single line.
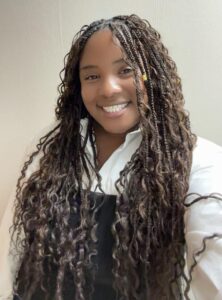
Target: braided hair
[[148, 229]]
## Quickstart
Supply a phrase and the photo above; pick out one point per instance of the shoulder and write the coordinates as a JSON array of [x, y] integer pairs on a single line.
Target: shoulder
[[205, 182], [202, 220], [205, 153], [206, 168], [204, 216], [9, 261]]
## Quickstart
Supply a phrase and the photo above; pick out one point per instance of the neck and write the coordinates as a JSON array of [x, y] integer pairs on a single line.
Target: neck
[[106, 143]]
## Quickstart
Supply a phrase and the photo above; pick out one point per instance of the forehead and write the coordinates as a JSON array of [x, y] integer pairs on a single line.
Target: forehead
[[101, 45]]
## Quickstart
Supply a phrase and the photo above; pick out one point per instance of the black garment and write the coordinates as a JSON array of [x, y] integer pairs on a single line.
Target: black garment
[[104, 278]]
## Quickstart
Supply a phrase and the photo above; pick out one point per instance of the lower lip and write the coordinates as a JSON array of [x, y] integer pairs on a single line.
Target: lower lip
[[115, 114]]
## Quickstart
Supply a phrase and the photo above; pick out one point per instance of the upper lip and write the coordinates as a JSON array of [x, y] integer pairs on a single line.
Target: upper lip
[[107, 105]]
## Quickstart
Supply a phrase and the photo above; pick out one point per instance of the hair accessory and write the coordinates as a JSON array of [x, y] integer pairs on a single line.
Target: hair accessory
[[144, 76]]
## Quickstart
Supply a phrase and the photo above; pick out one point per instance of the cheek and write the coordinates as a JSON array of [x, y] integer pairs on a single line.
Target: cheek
[[89, 91]]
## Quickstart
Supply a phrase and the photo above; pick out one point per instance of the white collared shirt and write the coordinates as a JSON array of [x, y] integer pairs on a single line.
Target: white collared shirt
[[202, 219]]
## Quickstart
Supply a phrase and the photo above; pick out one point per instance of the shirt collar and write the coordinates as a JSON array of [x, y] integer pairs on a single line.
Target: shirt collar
[[130, 136]]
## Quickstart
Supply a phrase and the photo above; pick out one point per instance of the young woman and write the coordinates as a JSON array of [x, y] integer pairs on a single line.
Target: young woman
[[118, 195]]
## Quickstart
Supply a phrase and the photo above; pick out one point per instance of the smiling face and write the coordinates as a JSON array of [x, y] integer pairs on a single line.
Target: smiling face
[[107, 84]]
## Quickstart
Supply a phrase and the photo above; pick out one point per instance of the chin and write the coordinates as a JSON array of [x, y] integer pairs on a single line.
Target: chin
[[120, 130]]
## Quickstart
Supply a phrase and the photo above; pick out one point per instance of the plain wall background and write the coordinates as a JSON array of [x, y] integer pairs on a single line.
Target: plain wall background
[[36, 35]]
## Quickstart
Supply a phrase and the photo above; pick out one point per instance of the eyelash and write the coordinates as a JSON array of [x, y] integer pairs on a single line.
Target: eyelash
[[124, 71], [91, 77]]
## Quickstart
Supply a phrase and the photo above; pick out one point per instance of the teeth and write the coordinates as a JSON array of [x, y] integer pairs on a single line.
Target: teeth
[[115, 108]]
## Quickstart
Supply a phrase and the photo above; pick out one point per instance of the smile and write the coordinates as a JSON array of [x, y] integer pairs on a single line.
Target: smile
[[115, 108]]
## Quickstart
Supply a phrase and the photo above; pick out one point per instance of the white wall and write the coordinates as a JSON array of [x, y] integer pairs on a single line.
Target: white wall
[[36, 34]]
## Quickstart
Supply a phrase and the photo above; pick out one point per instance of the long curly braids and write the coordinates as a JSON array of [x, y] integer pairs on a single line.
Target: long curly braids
[[148, 230]]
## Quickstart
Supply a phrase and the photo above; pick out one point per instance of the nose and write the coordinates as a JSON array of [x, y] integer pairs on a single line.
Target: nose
[[110, 86]]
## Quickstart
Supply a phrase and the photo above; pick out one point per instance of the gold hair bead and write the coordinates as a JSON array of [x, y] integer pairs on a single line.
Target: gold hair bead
[[144, 76]]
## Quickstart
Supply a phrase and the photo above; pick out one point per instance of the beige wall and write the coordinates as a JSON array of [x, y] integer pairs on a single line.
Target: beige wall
[[36, 34]]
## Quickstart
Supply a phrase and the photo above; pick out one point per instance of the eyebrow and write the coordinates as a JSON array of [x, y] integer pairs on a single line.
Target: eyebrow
[[86, 67]]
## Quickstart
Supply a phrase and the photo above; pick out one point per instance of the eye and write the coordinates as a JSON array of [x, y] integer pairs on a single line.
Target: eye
[[126, 71], [91, 77]]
